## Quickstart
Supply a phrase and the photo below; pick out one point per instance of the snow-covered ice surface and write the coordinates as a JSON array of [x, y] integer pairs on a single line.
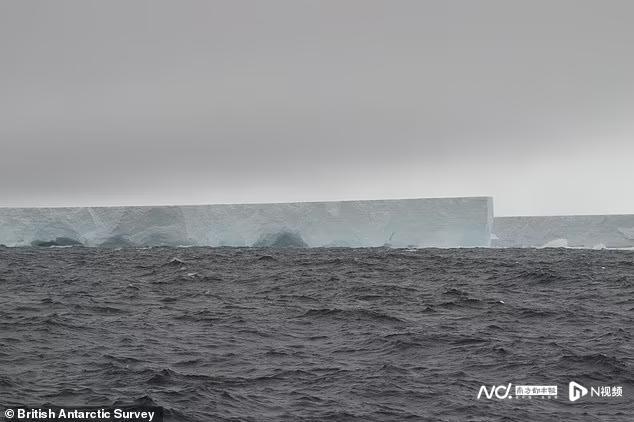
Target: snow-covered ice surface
[[574, 231], [432, 222]]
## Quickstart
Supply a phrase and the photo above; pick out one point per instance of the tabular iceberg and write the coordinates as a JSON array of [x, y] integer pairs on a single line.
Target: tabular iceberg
[[433, 222], [575, 231]]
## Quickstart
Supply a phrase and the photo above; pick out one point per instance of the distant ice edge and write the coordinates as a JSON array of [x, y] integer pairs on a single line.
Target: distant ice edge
[[569, 231], [426, 222]]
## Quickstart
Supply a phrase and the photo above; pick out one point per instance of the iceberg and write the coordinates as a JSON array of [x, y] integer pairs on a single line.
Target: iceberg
[[424, 222], [574, 231], [556, 243], [281, 240], [58, 241]]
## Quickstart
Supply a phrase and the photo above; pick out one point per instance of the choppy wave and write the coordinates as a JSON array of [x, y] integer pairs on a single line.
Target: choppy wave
[[318, 334]]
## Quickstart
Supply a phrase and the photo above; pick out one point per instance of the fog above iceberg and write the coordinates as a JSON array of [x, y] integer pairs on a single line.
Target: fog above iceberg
[[191, 102]]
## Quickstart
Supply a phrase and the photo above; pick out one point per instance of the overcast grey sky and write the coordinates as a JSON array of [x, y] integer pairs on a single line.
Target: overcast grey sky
[[178, 102]]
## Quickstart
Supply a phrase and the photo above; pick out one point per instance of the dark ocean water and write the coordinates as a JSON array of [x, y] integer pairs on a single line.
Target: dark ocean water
[[317, 334]]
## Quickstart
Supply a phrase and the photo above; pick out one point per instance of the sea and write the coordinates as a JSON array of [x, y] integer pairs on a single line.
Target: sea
[[324, 334]]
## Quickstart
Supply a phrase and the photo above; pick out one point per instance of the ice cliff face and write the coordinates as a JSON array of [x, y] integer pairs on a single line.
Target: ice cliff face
[[442, 222], [581, 231]]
